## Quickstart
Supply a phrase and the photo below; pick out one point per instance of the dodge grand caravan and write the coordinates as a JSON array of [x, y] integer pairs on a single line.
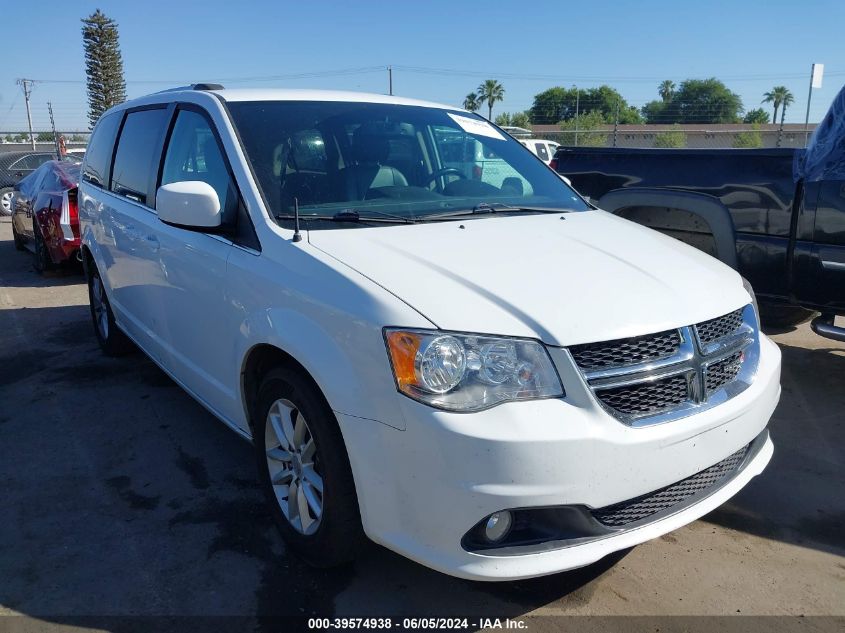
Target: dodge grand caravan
[[496, 380]]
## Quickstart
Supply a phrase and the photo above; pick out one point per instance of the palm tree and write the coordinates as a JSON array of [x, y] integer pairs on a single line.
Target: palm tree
[[786, 100], [490, 92], [471, 102], [776, 97], [666, 90]]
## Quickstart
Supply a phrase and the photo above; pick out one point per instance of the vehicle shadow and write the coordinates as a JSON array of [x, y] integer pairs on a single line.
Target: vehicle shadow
[[798, 499]]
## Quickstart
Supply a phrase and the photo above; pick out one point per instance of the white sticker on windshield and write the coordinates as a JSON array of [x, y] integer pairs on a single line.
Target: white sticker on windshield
[[476, 126]]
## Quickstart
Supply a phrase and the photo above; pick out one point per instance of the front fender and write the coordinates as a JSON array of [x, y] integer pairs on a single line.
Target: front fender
[[351, 367]]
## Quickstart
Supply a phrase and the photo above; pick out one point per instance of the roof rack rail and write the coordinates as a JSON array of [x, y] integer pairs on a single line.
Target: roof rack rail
[[207, 86]]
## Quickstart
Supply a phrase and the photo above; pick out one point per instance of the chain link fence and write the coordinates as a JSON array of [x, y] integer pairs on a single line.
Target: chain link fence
[[679, 136]]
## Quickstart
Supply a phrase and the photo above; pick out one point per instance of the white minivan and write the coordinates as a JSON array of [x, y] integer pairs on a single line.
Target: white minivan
[[494, 379]]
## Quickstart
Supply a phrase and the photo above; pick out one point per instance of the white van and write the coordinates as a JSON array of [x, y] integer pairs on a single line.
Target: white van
[[485, 374]]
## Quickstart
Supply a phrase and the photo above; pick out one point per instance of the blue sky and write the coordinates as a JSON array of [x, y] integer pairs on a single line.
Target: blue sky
[[441, 50]]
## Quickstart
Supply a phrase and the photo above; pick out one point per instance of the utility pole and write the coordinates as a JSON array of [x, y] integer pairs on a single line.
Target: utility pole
[[815, 82], [577, 111], [55, 136], [616, 124], [390, 80], [27, 91]]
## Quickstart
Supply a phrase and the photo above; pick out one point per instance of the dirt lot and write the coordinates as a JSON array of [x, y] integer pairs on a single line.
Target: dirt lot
[[122, 496]]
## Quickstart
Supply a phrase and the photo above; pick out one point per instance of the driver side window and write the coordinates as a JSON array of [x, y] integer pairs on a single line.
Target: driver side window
[[194, 154]]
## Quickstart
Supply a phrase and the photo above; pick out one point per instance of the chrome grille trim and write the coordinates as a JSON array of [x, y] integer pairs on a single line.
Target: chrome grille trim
[[717, 359]]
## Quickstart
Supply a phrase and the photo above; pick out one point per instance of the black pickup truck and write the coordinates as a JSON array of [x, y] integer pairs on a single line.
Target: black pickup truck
[[776, 215]]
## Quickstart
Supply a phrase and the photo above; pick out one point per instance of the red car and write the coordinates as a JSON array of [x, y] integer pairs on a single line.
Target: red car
[[45, 214]]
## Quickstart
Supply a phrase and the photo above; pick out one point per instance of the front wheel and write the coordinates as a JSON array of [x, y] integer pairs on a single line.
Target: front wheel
[[112, 340], [304, 470]]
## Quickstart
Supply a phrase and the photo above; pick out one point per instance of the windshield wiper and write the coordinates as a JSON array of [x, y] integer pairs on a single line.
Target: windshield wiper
[[351, 215], [492, 207]]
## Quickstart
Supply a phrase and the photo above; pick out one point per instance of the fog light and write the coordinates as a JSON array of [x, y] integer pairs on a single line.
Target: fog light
[[497, 526]]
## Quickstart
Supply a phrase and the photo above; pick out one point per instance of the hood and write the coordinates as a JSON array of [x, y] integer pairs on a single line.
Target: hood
[[562, 278]]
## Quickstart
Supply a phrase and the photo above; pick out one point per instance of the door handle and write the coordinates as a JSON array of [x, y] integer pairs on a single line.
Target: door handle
[[153, 242]]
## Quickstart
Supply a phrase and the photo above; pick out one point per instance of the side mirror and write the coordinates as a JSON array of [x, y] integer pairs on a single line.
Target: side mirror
[[190, 203]]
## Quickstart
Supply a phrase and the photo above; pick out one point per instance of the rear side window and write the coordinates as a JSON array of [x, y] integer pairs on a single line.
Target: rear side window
[[542, 152], [136, 150], [98, 153]]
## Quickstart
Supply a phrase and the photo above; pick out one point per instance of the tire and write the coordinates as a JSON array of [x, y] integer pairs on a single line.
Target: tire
[[6, 201], [41, 260], [784, 316], [112, 340], [333, 536], [18, 240]]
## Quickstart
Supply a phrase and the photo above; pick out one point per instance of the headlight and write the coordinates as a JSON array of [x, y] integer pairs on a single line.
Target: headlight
[[747, 285], [468, 372]]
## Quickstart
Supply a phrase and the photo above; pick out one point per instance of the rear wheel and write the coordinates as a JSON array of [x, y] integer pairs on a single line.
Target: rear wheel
[[6, 200], [304, 470], [19, 243], [41, 256], [112, 340]]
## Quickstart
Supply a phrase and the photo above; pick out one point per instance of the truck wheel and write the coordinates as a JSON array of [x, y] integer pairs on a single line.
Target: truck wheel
[[783, 316], [111, 338], [304, 470]]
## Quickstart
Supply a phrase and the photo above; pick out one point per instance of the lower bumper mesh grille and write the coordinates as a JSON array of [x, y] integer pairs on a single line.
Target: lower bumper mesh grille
[[643, 507]]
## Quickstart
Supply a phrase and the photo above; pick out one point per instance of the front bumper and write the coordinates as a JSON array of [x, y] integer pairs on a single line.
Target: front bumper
[[420, 490]]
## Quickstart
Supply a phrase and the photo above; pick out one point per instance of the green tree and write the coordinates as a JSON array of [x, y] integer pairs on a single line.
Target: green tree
[[553, 105], [705, 101], [757, 115], [752, 138], [655, 112], [44, 137], [561, 104], [103, 65], [673, 138], [777, 96], [521, 119], [490, 92], [471, 102], [9, 138], [514, 119], [77, 138], [589, 130], [666, 89]]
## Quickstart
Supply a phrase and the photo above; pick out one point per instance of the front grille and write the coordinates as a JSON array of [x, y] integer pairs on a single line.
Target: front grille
[[695, 362], [628, 351], [647, 397], [722, 372], [720, 327], [643, 507]]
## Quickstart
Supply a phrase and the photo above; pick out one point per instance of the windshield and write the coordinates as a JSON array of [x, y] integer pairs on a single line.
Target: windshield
[[387, 160]]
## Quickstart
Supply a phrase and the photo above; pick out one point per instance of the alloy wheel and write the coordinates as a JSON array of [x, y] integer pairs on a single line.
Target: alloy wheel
[[293, 468], [6, 203]]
